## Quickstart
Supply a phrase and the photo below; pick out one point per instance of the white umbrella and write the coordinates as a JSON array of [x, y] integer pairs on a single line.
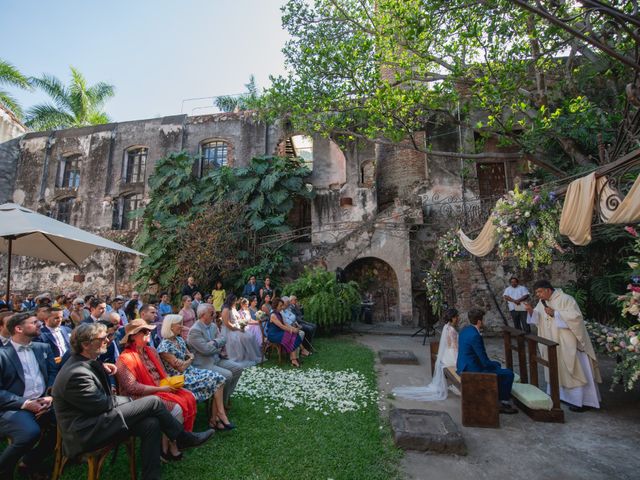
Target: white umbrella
[[25, 232]]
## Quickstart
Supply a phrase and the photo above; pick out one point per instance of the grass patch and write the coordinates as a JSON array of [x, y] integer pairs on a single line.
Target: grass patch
[[302, 444]]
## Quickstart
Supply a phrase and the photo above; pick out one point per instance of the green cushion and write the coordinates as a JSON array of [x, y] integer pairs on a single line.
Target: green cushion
[[516, 378], [531, 396]]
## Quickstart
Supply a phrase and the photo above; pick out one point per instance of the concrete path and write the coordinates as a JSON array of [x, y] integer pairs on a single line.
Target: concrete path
[[600, 444]]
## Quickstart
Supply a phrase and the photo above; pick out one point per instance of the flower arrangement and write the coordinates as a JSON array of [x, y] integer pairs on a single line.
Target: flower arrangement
[[527, 226], [630, 302], [622, 344], [450, 248], [435, 291]]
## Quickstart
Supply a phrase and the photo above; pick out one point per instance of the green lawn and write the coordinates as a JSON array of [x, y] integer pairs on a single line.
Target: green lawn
[[300, 445]]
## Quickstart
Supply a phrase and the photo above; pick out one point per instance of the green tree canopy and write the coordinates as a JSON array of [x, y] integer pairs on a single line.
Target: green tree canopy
[[385, 70], [74, 105], [10, 76], [245, 101]]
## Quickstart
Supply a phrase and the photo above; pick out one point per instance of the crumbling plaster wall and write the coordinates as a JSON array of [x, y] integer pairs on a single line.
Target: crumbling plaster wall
[[102, 151]]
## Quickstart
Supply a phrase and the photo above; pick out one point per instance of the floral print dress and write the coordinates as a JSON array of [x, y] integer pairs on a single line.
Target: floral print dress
[[201, 382]]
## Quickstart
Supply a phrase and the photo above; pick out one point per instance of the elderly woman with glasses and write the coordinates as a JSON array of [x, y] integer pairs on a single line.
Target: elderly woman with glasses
[[139, 374], [203, 383]]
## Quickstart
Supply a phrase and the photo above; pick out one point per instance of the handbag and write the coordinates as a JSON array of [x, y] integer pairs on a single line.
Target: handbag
[[176, 381]]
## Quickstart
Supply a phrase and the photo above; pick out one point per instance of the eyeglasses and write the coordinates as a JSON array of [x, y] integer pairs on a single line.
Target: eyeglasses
[[104, 339]]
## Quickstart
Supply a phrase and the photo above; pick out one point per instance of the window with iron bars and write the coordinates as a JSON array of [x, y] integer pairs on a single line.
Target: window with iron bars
[[122, 208], [68, 175], [213, 155], [63, 209], [134, 165]]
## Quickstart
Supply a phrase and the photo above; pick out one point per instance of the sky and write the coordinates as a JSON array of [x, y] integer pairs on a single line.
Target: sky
[[157, 53]]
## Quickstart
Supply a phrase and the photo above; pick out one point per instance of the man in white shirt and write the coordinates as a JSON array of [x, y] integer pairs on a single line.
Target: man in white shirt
[[56, 335], [27, 372], [516, 295]]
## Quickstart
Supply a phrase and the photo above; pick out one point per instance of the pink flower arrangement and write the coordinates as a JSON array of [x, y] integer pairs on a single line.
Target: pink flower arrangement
[[631, 230]]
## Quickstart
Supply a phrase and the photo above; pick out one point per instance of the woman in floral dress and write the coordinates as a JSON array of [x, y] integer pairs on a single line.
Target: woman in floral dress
[[203, 383]]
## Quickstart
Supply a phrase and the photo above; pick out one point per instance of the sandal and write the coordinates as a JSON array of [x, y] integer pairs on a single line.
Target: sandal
[[295, 363]]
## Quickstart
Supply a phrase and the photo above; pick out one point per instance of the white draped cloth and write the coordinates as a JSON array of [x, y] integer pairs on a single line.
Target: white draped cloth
[[447, 357], [578, 370]]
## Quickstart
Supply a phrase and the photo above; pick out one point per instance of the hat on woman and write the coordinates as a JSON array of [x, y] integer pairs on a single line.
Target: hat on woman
[[133, 327]]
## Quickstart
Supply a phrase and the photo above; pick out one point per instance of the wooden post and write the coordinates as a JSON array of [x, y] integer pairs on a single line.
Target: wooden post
[[554, 384], [508, 352], [522, 359], [533, 361]]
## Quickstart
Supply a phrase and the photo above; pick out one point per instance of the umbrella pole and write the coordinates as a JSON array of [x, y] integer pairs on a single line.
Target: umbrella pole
[[9, 269]]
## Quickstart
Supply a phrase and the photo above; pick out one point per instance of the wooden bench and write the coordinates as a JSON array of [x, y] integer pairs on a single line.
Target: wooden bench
[[478, 394], [527, 395]]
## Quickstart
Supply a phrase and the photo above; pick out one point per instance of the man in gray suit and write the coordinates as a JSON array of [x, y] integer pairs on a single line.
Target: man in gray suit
[[206, 344], [89, 416]]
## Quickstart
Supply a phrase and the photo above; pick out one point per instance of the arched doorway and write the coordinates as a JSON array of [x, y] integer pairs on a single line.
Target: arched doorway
[[377, 281]]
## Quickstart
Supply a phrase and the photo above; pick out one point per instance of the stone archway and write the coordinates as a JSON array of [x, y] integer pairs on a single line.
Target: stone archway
[[377, 279]]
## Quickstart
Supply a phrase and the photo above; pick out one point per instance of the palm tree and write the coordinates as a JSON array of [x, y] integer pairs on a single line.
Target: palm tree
[[10, 75], [244, 101], [75, 105]]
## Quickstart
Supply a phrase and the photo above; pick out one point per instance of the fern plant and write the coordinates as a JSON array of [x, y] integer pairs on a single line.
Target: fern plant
[[326, 302]]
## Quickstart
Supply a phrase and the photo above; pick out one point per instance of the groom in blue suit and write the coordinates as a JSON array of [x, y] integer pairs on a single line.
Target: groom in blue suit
[[472, 357]]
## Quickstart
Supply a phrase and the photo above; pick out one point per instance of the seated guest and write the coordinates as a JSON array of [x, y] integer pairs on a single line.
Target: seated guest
[[197, 300], [137, 303], [139, 374], [5, 336], [251, 288], [290, 319], [190, 288], [188, 314], [56, 335], [472, 357], [267, 289], [16, 303], [149, 314], [59, 301], [308, 328], [29, 303], [289, 337], [241, 345], [203, 383], [96, 308], [266, 306], [43, 299], [164, 307], [117, 306], [78, 313], [254, 325], [206, 343], [27, 372], [113, 348], [66, 311], [90, 417], [218, 294], [42, 313]]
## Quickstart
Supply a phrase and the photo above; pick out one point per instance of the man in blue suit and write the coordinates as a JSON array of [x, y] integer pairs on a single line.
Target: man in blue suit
[[472, 357], [27, 372], [56, 336]]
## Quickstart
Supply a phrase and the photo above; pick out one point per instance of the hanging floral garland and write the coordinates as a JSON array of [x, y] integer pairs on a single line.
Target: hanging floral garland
[[433, 283], [527, 226], [450, 249]]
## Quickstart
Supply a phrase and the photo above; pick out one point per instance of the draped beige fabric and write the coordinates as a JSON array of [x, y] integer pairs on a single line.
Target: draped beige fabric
[[484, 243], [577, 211]]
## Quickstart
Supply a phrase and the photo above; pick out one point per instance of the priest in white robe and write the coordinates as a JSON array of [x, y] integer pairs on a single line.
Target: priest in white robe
[[559, 319]]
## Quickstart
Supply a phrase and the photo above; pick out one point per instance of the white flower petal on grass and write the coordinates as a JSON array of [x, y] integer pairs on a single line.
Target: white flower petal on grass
[[313, 389]]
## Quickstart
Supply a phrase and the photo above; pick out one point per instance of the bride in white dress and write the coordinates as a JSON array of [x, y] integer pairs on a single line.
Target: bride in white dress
[[447, 357]]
